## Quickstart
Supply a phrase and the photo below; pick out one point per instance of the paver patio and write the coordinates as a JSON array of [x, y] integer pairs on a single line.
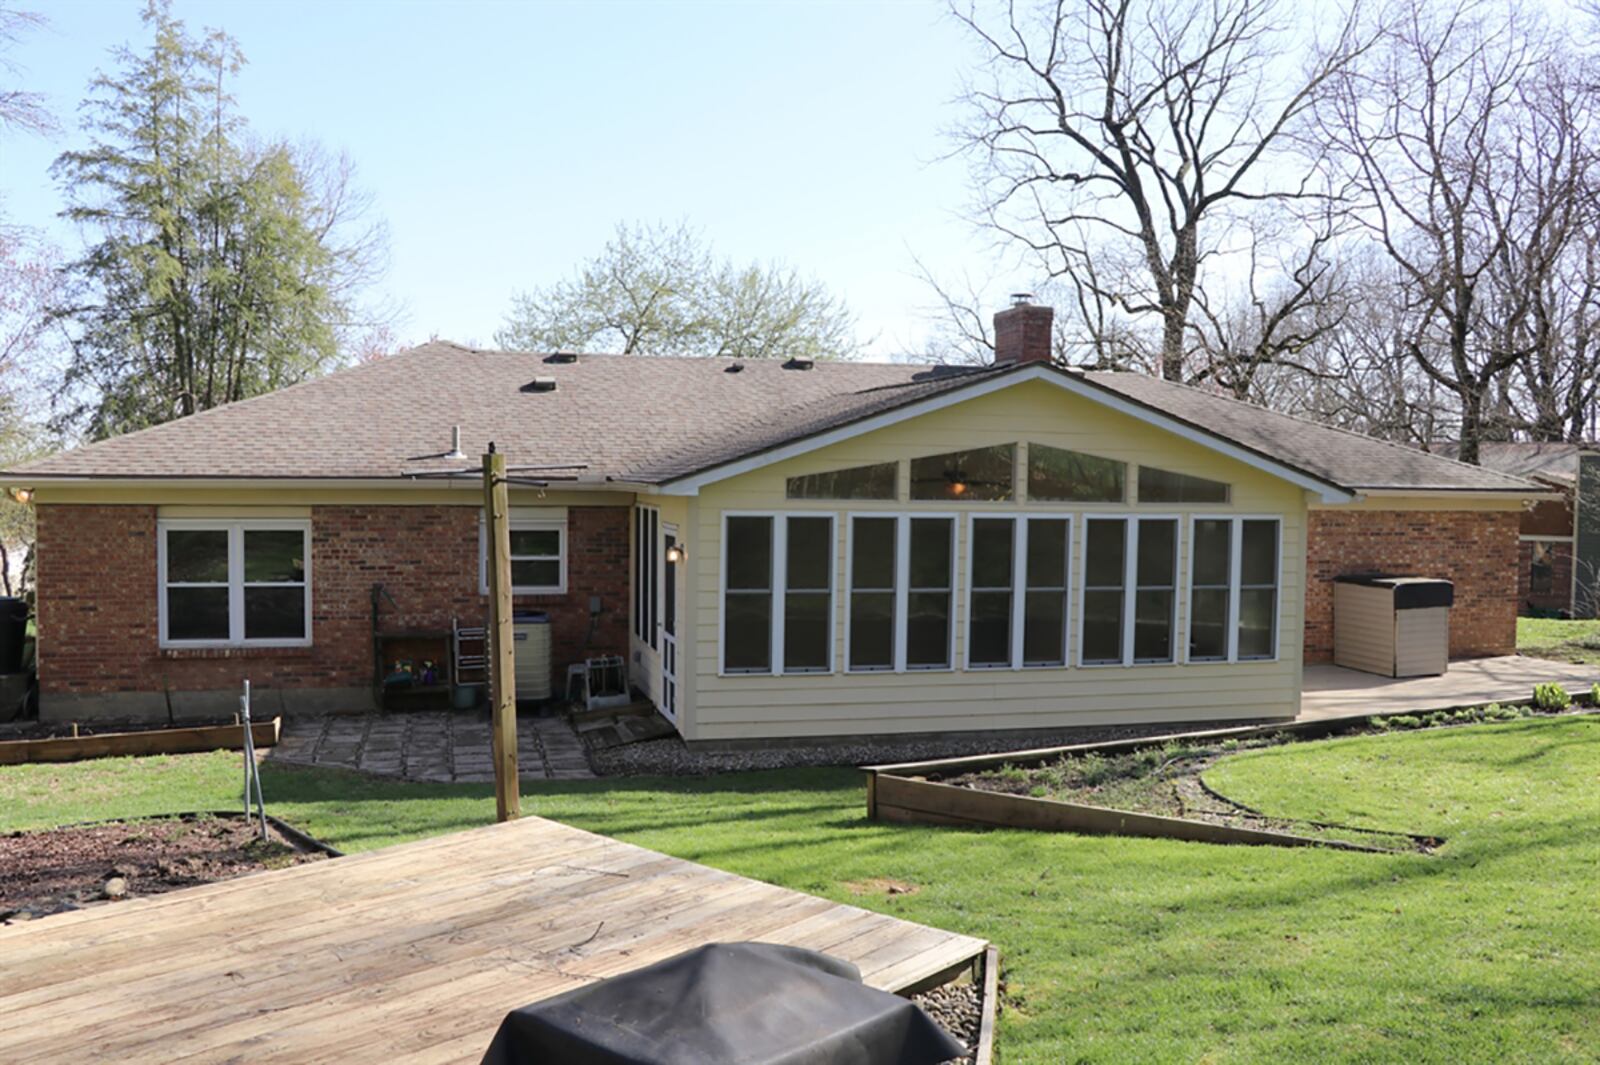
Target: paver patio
[[440, 746]]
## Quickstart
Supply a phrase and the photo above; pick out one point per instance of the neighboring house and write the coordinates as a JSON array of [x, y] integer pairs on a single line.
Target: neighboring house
[[1558, 569], [860, 548]]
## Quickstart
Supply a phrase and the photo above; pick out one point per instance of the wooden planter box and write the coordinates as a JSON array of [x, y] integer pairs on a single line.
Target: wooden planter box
[[150, 741]]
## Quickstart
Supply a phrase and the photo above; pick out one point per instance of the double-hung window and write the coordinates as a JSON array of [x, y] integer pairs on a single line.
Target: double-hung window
[[1129, 590], [777, 593], [1017, 588], [1233, 589], [902, 592], [538, 556], [234, 583]]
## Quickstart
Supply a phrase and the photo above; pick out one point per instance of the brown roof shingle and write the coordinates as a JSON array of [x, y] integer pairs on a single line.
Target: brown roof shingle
[[651, 420]]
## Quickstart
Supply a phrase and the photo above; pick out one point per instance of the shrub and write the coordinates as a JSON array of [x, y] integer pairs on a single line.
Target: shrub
[[1496, 712], [1405, 721], [1013, 774], [1233, 744], [1594, 694], [1551, 697]]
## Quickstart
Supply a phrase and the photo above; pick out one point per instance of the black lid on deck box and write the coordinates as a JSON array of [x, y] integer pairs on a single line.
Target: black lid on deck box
[[1410, 593]]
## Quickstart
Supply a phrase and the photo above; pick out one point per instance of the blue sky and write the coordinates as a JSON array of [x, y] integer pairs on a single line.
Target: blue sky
[[502, 142]]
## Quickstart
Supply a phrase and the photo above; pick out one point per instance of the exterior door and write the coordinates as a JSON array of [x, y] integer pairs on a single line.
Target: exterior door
[[668, 688]]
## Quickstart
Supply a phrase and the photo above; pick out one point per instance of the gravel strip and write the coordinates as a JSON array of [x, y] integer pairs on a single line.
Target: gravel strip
[[673, 757], [959, 1010]]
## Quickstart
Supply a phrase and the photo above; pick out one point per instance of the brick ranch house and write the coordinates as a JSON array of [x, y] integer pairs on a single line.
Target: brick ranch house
[[1558, 565], [857, 548]]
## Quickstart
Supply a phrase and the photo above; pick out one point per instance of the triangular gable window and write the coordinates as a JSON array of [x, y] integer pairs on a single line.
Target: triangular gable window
[[1164, 486], [982, 475], [1056, 475], [857, 482]]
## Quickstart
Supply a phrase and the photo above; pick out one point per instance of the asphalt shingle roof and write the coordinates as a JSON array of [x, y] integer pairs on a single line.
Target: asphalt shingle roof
[[650, 420]]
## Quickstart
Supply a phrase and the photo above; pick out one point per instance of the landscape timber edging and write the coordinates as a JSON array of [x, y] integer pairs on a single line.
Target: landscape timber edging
[[913, 800], [901, 793], [189, 740]]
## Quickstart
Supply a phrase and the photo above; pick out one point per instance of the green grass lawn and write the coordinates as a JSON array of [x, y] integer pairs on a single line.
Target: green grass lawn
[[1116, 950], [1570, 641]]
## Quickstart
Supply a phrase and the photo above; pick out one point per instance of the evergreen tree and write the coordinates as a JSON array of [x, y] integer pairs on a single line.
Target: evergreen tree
[[223, 267]]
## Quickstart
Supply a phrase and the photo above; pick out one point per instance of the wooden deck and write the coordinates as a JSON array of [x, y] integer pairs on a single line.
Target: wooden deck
[[407, 954]]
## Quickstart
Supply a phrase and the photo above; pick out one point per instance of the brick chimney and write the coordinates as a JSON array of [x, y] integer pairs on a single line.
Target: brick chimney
[[1022, 331]]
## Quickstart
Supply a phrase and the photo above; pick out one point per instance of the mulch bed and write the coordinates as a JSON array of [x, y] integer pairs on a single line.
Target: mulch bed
[[62, 869]]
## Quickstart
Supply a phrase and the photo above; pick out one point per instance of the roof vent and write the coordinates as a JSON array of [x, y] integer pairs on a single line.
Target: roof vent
[[455, 444], [733, 367], [798, 363], [540, 384], [562, 358]]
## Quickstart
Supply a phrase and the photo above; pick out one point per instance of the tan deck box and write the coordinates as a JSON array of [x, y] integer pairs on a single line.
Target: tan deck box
[[1394, 626]]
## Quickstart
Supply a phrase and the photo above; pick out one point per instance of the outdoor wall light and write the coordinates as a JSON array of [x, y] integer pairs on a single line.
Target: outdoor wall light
[[676, 554], [22, 495]]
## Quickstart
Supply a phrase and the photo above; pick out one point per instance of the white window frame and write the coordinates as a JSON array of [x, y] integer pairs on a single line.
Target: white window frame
[[777, 588], [559, 525], [850, 588], [902, 586], [235, 529], [1130, 574], [1019, 590], [1235, 574]]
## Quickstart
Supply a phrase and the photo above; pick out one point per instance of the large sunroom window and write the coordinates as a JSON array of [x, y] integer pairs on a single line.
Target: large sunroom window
[[1007, 628], [1233, 589], [1130, 591], [778, 594], [858, 482], [235, 583], [902, 592]]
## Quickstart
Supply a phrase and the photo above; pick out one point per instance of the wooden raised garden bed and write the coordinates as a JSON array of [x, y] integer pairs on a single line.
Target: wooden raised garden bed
[[151, 741]]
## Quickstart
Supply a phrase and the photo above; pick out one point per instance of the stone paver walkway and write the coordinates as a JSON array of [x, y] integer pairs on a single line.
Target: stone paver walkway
[[431, 745]]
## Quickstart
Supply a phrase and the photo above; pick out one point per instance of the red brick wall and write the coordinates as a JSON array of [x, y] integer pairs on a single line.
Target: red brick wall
[[1475, 549], [97, 596], [1558, 596]]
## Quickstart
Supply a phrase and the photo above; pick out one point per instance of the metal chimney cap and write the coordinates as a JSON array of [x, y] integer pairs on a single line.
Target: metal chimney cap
[[1021, 299]]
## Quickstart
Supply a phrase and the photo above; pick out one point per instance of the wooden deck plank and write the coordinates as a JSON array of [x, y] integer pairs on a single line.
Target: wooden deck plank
[[411, 953]]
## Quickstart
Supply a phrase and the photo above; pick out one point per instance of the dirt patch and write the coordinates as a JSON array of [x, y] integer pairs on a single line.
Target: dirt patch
[[1168, 781], [68, 868], [881, 885]]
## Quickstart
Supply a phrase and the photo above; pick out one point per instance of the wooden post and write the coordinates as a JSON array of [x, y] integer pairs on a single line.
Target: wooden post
[[502, 646]]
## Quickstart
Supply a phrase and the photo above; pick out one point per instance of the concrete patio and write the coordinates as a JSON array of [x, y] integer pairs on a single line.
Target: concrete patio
[[1332, 692]]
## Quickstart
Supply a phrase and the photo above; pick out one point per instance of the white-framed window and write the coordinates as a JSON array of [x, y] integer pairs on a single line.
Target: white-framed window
[[646, 572], [777, 592], [1130, 591], [1008, 628], [538, 555], [234, 583], [1235, 565], [902, 583]]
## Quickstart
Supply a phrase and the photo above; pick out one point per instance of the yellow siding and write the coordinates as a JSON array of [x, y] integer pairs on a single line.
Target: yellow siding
[[645, 661], [743, 706]]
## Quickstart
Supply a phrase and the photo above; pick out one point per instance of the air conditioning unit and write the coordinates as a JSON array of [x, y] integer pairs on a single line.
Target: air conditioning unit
[[531, 652]]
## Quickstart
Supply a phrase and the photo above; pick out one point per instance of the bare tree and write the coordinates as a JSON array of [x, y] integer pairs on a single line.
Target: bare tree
[[1284, 309], [1425, 125], [1542, 292], [1146, 123], [20, 109]]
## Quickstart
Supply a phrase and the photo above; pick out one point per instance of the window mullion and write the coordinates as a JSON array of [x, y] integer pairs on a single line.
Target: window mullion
[[902, 577], [1130, 586], [1235, 570], [1019, 585], [780, 587], [236, 583]]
